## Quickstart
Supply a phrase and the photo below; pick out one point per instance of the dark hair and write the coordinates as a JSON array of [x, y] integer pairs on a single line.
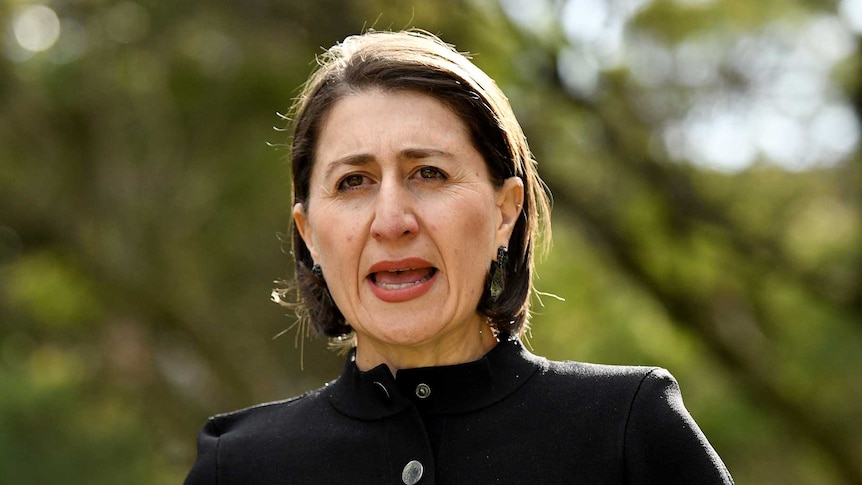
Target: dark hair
[[419, 62]]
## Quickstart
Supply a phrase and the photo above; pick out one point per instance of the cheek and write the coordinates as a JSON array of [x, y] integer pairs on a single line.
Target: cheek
[[336, 233], [340, 243], [472, 232]]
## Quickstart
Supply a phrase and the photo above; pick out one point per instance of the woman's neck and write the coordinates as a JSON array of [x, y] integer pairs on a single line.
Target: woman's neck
[[461, 347]]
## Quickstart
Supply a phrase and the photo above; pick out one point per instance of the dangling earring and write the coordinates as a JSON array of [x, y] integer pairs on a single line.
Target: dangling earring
[[498, 273], [317, 271]]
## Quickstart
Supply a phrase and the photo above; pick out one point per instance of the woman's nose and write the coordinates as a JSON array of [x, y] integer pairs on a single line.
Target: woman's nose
[[394, 212]]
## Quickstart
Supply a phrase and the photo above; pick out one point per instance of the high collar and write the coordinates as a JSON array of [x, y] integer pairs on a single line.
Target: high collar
[[376, 394]]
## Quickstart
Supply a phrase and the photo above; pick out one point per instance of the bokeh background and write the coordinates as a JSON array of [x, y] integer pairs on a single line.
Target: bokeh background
[[703, 154]]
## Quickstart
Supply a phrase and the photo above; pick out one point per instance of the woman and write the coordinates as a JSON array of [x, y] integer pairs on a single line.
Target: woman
[[417, 209]]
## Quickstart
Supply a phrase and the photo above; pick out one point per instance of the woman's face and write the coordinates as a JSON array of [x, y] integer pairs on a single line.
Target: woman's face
[[404, 220]]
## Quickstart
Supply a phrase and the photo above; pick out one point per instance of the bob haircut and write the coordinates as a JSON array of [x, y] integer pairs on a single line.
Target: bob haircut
[[419, 62]]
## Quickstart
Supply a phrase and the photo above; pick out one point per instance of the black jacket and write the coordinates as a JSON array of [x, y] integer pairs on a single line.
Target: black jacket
[[510, 417]]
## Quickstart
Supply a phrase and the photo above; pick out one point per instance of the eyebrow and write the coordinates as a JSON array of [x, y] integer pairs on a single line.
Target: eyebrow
[[358, 160], [362, 159]]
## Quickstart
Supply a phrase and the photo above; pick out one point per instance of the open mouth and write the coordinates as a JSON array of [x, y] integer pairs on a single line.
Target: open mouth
[[400, 279]]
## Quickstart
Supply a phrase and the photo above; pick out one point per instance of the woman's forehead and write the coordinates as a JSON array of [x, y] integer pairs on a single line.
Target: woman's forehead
[[401, 124]]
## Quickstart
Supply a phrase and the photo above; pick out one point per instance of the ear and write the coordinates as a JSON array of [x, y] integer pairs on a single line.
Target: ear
[[300, 219], [510, 200]]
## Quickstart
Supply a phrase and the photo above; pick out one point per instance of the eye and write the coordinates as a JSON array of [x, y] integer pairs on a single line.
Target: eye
[[431, 173], [351, 181]]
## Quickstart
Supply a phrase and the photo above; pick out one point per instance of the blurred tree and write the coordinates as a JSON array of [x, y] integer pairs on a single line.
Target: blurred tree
[[703, 160], [669, 203]]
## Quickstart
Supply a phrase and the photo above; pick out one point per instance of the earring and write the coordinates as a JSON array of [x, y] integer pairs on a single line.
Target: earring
[[498, 273], [317, 271]]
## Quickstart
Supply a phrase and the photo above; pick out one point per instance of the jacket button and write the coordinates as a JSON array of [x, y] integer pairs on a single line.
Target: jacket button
[[423, 391], [412, 473]]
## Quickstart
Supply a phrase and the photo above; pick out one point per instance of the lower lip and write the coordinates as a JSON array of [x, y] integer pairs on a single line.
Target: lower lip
[[402, 294]]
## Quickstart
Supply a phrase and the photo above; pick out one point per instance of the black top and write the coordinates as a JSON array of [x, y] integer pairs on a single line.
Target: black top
[[510, 417]]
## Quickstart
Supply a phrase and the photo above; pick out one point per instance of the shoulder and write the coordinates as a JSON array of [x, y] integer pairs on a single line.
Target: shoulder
[[622, 381], [621, 396], [641, 410], [593, 396], [597, 371], [639, 395], [231, 444], [261, 418]]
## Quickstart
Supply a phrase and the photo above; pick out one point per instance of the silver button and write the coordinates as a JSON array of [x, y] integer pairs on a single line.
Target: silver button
[[412, 472], [423, 391]]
